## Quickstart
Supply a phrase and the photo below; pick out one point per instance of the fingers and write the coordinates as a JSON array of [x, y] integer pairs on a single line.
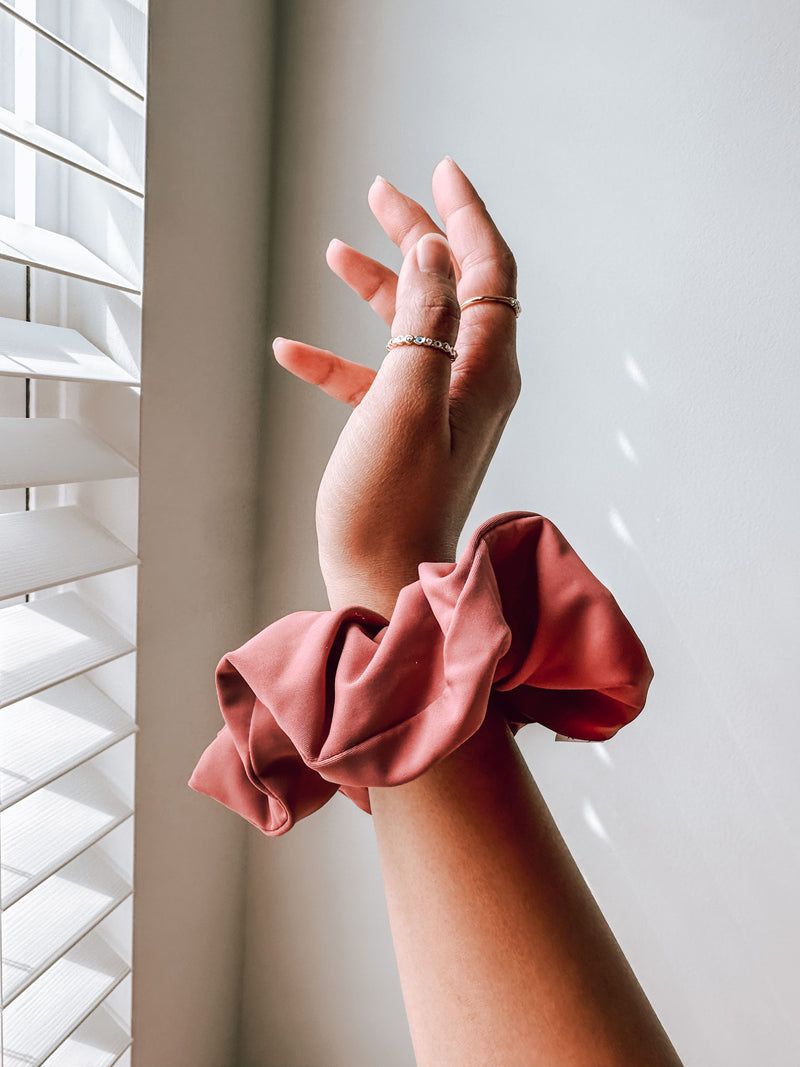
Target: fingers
[[339, 378], [487, 265], [417, 377], [486, 380], [422, 301], [426, 292], [405, 222], [401, 217], [371, 280]]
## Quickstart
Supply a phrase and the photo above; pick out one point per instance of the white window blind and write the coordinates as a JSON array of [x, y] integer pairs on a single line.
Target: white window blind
[[72, 75]]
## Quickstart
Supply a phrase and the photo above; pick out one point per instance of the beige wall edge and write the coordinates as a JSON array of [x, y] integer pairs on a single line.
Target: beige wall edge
[[205, 284]]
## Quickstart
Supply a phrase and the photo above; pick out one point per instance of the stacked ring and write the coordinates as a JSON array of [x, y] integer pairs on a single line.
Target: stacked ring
[[426, 342], [510, 300]]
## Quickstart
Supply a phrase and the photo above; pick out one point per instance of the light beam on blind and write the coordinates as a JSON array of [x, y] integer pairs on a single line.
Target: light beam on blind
[[53, 546], [47, 735], [55, 916], [53, 144], [36, 247], [51, 640], [47, 1013], [55, 452], [67, 47], [47, 829], [33, 350]]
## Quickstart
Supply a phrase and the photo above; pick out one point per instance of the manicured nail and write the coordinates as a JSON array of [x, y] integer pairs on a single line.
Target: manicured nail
[[433, 254]]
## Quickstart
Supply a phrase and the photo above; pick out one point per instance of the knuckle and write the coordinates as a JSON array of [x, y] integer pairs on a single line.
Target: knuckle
[[439, 303], [509, 384], [355, 396], [499, 260], [505, 393], [438, 306], [372, 289], [506, 396], [508, 266], [513, 388], [326, 375]]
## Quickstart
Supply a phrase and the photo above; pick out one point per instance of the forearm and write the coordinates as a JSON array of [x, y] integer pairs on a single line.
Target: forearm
[[504, 956]]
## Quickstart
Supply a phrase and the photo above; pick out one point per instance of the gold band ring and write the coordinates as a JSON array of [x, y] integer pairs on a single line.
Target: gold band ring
[[510, 300]]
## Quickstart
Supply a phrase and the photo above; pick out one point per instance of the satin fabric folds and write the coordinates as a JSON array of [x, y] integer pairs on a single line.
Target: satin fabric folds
[[343, 700]]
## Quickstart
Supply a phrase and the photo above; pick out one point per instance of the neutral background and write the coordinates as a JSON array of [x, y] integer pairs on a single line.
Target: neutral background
[[642, 159]]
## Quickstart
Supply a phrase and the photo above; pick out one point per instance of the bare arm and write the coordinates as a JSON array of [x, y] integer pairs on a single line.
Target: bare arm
[[504, 957]]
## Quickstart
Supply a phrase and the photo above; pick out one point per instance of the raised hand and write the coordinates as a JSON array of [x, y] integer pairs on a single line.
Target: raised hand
[[404, 473]]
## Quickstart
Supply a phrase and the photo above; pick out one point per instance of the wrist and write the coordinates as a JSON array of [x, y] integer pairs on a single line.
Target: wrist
[[377, 582], [366, 592]]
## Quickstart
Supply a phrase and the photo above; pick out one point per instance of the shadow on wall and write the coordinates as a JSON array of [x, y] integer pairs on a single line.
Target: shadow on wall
[[701, 859]]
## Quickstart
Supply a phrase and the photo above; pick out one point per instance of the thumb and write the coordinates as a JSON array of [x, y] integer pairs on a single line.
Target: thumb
[[427, 311]]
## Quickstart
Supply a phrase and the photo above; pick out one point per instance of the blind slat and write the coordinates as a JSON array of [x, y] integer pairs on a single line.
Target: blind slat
[[52, 918], [54, 732], [99, 1042], [52, 1008], [43, 832], [34, 350], [55, 452], [51, 640], [53, 546], [47, 250], [135, 90], [53, 144]]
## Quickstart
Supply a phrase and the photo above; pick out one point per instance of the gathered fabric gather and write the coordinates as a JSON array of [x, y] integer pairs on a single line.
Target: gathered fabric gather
[[345, 700]]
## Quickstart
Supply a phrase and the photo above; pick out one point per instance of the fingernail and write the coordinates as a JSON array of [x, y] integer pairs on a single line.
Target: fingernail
[[380, 178], [433, 254]]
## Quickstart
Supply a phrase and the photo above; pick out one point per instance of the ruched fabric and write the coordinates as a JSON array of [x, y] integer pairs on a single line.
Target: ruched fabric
[[343, 700]]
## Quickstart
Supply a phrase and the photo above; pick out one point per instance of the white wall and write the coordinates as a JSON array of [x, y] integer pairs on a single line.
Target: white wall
[[642, 160]]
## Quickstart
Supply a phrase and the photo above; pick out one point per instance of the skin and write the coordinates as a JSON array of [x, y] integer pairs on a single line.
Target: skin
[[504, 956]]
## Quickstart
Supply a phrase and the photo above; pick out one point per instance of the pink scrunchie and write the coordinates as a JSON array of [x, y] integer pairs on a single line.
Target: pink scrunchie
[[322, 701]]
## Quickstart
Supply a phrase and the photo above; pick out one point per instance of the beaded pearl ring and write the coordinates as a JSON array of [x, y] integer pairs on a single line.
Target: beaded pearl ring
[[426, 342]]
